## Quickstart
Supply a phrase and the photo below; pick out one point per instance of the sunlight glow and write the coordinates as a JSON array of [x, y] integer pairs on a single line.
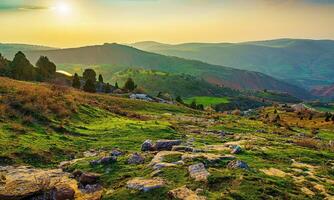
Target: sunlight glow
[[62, 9]]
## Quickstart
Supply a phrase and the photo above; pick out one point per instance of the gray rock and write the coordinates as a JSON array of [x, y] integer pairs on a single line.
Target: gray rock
[[147, 146], [136, 158], [63, 193], [108, 160], [166, 144], [89, 178], [237, 164], [182, 148], [198, 172], [116, 153], [145, 184]]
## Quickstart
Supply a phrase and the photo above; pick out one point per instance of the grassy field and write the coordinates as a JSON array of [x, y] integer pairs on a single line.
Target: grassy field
[[207, 101], [42, 125]]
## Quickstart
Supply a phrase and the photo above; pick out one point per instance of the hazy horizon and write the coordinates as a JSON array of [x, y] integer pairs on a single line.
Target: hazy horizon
[[69, 23]]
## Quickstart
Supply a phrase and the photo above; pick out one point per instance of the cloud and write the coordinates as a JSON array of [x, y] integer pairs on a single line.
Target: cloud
[[14, 5]]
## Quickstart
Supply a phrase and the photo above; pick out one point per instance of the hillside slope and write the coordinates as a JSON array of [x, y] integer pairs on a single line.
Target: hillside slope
[[307, 63], [8, 50], [115, 57]]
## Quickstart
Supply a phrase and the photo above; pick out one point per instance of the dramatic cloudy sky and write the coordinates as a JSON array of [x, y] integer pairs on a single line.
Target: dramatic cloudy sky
[[66, 23]]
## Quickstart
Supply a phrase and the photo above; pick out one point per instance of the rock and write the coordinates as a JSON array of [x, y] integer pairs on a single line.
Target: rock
[[236, 149], [182, 148], [77, 173], [136, 158], [63, 193], [198, 172], [108, 160], [199, 191], [158, 161], [166, 144], [145, 184], [89, 178], [210, 157], [92, 188], [94, 162], [147, 146], [116, 153], [235, 164], [183, 193]]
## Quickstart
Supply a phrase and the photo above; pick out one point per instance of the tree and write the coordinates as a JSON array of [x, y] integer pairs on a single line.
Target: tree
[[116, 85], [107, 88], [21, 68], [3, 66], [76, 81], [129, 85], [193, 104], [89, 86], [200, 107], [328, 116], [100, 78], [179, 99], [89, 74], [45, 68]]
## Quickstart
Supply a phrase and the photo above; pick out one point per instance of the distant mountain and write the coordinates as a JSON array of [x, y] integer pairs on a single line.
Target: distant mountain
[[115, 57], [326, 91], [307, 63], [9, 50]]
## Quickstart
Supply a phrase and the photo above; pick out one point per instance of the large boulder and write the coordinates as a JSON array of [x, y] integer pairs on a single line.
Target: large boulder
[[145, 184], [89, 178], [136, 158], [104, 160], [183, 148], [166, 144], [198, 172], [63, 193], [147, 146]]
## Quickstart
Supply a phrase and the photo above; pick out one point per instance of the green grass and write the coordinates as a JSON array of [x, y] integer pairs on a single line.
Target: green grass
[[208, 101]]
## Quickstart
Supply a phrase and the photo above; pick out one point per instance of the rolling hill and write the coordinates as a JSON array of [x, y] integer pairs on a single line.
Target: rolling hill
[[9, 50], [115, 57], [306, 63]]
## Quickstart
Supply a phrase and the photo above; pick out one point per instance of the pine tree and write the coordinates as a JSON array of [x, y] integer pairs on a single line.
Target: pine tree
[[129, 85], [100, 78], [107, 88], [45, 68], [89, 86], [76, 81], [116, 85], [3, 66], [21, 68], [193, 104], [200, 107]]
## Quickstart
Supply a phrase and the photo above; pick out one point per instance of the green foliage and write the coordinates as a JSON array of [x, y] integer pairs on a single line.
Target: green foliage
[[46, 69], [100, 78], [21, 69], [193, 104], [76, 81], [89, 74], [107, 88], [116, 85], [179, 100], [89, 86], [129, 85]]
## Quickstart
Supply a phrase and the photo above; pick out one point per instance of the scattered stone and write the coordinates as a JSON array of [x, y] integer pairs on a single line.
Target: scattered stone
[[236, 149], [274, 172], [199, 191], [145, 184], [108, 160], [136, 158], [198, 172], [182, 148], [166, 144], [77, 173], [116, 153], [156, 173], [210, 157], [147, 146], [237, 164], [183, 193], [89, 178], [158, 161], [90, 153]]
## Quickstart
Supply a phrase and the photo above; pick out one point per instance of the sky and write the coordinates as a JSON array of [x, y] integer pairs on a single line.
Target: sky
[[72, 23]]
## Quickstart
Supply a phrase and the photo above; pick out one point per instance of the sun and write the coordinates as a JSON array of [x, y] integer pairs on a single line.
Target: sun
[[62, 9]]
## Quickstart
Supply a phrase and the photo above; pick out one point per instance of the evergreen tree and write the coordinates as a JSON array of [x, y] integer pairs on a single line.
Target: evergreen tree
[[116, 85], [328, 116], [21, 69], [89, 86], [179, 99], [129, 85], [193, 104], [3, 66], [45, 68], [200, 107], [100, 78], [76, 81], [89, 74]]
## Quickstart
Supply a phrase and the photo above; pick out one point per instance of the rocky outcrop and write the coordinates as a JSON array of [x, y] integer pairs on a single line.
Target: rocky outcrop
[[158, 161], [198, 172], [183, 193], [104, 160], [183, 148], [23, 182], [145, 184], [89, 178]]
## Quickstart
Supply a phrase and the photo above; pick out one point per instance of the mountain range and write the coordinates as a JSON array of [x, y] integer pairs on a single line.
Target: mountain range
[[307, 63]]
